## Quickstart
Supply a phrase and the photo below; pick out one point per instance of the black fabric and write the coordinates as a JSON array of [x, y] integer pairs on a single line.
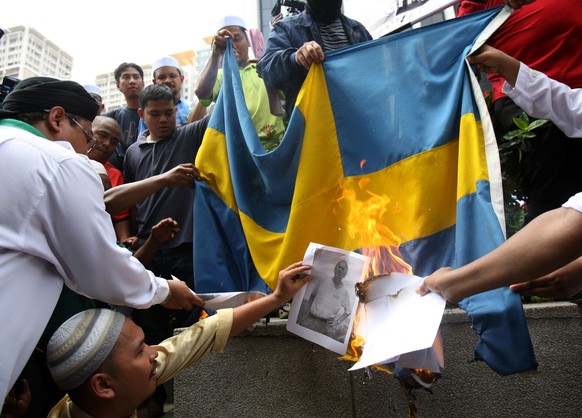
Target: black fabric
[[37, 94], [551, 169], [324, 11]]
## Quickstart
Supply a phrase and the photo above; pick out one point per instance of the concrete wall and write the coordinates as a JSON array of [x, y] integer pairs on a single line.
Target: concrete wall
[[272, 373]]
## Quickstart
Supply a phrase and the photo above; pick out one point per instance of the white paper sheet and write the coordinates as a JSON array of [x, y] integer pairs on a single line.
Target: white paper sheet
[[397, 321]]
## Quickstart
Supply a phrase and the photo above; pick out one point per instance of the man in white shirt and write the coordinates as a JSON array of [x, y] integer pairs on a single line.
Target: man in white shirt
[[538, 95], [544, 258], [53, 225]]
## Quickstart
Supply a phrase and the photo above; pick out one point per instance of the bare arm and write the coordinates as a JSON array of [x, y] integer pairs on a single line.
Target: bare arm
[[560, 284], [127, 195], [122, 229], [290, 281], [207, 78], [163, 231], [549, 242]]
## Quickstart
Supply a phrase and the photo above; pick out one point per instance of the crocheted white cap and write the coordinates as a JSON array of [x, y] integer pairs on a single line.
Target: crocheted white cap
[[81, 344], [92, 89], [166, 62], [231, 21]]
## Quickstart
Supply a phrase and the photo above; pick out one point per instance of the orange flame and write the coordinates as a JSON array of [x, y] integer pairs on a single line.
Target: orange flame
[[367, 222]]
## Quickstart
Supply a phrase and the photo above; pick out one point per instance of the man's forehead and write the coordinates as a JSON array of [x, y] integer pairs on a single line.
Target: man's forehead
[[235, 29], [160, 104], [131, 336], [130, 71], [167, 70]]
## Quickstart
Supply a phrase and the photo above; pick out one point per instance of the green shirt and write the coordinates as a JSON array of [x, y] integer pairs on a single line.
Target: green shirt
[[269, 127]]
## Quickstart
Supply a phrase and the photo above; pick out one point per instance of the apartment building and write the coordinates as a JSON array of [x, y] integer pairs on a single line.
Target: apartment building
[[25, 52]]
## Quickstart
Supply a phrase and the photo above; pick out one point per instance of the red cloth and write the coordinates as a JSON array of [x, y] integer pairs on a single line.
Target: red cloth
[[116, 178], [544, 35]]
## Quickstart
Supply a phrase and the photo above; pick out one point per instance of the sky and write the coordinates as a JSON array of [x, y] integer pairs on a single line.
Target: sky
[[102, 34]]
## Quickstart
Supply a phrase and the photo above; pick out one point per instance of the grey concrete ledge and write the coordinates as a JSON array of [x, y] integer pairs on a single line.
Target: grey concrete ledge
[[271, 373]]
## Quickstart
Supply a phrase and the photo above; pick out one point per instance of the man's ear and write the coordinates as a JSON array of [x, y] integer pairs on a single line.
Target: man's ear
[[117, 84], [102, 385], [140, 112], [56, 117]]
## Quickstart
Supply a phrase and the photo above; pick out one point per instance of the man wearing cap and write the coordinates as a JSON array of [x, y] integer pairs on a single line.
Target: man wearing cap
[[54, 226], [95, 93], [256, 97], [167, 71], [99, 357], [298, 41]]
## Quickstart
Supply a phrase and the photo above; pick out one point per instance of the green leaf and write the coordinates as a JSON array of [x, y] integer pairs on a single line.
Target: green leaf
[[537, 123], [521, 124]]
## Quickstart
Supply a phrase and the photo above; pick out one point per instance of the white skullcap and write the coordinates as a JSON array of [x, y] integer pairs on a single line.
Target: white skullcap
[[81, 345], [92, 89], [231, 21], [99, 168], [166, 62]]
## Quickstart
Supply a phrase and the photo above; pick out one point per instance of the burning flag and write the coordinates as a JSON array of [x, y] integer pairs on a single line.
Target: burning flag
[[401, 119]]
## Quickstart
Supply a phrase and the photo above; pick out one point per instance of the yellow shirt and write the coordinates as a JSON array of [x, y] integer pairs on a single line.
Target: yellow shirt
[[174, 355]]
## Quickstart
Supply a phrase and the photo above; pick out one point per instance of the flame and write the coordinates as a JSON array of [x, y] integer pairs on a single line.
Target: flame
[[368, 222]]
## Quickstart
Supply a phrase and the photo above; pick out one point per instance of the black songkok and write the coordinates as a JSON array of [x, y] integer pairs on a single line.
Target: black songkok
[[37, 94]]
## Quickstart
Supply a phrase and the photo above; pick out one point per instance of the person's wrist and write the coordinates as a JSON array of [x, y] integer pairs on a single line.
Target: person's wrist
[[168, 297]]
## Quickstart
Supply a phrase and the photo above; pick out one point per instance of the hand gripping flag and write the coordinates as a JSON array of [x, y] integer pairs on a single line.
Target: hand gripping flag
[[401, 119]]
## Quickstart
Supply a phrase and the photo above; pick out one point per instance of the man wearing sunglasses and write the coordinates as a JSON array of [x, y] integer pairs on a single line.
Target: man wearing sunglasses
[[53, 225]]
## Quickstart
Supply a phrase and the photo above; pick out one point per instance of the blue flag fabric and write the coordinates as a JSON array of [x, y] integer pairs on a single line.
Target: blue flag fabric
[[390, 147]]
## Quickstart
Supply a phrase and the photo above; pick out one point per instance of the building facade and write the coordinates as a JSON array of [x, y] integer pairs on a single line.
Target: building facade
[[25, 52]]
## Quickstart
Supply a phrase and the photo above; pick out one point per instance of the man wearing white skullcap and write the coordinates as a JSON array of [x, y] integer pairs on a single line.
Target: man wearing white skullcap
[[99, 357], [256, 97], [95, 93], [54, 226], [166, 70]]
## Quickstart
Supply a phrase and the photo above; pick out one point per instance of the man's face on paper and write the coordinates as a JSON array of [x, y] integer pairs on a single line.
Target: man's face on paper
[[340, 271]]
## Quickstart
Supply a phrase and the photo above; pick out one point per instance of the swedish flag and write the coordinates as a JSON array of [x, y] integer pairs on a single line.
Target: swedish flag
[[398, 123]]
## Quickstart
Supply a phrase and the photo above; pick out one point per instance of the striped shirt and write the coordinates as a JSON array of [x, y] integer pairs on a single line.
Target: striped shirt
[[333, 35]]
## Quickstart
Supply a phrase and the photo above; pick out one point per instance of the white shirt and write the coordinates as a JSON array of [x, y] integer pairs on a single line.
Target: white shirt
[[543, 97], [54, 229], [575, 202]]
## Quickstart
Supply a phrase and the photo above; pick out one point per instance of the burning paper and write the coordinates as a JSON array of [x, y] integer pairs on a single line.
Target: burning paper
[[398, 325]]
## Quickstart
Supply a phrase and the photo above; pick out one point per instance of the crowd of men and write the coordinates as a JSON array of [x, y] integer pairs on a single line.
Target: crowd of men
[[88, 199]]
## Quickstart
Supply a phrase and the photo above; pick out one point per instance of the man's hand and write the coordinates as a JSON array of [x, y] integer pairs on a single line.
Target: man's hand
[[439, 282], [560, 284], [18, 400], [131, 242], [181, 296], [518, 4], [181, 175], [308, 54], [219, 41], [491, 60], [165, 230], [290, 281]]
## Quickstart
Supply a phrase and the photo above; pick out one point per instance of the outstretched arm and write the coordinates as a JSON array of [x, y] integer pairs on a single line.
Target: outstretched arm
[[127, 195], [290, 281], [560, 284], [547, 243]]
